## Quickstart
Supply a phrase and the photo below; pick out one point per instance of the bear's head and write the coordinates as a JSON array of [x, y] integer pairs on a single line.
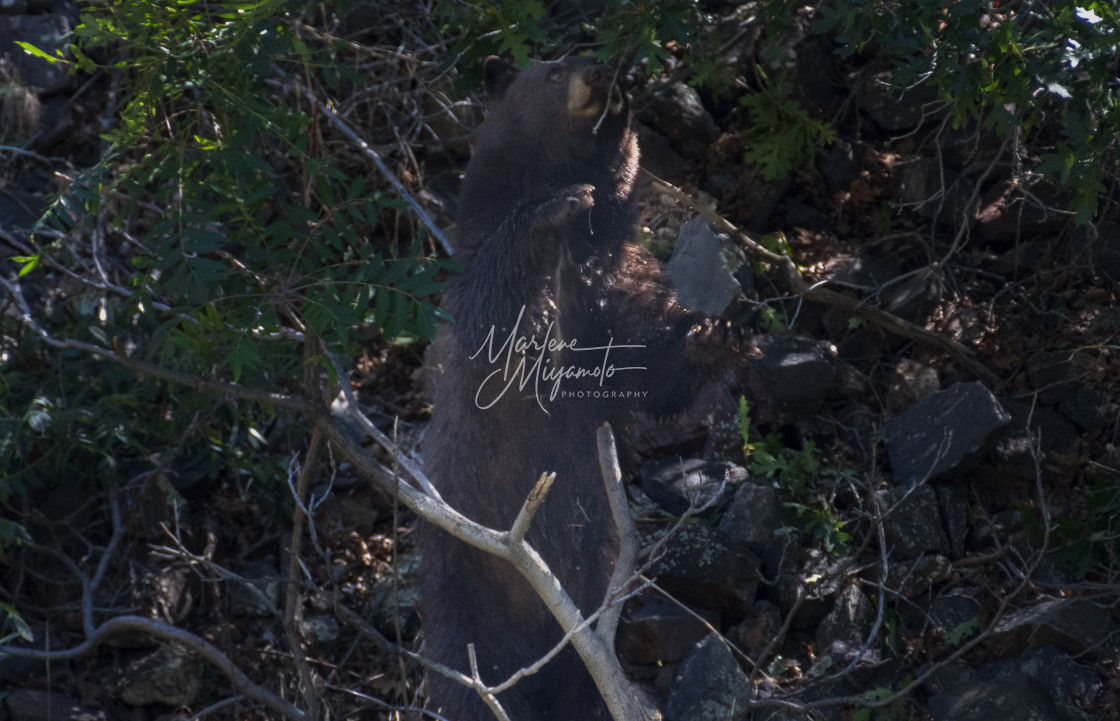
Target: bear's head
[[551, 125]]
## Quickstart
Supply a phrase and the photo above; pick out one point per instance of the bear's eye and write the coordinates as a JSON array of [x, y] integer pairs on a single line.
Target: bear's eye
[[556, 75]]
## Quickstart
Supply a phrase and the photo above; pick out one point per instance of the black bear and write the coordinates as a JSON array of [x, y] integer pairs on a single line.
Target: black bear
[[561, 322]]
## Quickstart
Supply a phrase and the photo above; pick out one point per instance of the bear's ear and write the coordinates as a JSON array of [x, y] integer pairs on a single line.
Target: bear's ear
[[499, 74]]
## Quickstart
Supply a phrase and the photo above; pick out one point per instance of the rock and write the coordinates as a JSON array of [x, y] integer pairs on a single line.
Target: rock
[[826, 677], [1082, 405], [914, 578], [816, 85], [711, 420], [168, 676], [945, 434], [1106, 250], [753, 515], [20, 210], [782, 554], [1065, 682], [1055, 373], [1074, 625], [35, 705], [675, 484], [952, 501], [13, 7], [914, 527], [658, 156], [842, 164], [1022, 259], [703, 267], [319, 629], [796, 375], [703, 567], [848, 620], [260, 596], [949, 679], [660, 633], [914, 298], [749, 198], [937, 192], [895, 109], [803, 215], [949, 612], [15, 670], [393, 604], [1030, 426], [676, 111], [970, 143], [1015, 698], [758, 629], [709, 685], [819, 579], [1005, 215]]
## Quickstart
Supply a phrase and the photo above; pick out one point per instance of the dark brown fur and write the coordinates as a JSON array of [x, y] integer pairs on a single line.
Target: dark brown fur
[[545, 232]]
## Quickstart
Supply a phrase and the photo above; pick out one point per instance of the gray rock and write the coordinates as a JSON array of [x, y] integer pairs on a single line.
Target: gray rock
[[848, 620], [709, 685], [1005, 215], [676, 111], [702, 566], [796, 375], [753, 516], [945, 434], [952, 501], [1065, 682], [1082, 405], [36, 705], [949, 612], [1106, 250], [658, 156], [917, 577], [819, 579], [20, 210], [937, 192], [1015, 698], [661, 633], [1053, 374], [914, 527], [896, 109], [168, 676], [676, 484], [13, 7], [319, 629], [1030, 426], [1073, 625], [842, 164], [393, 604], [915, 297], [703, 267], [260, 596], [758, 629], [949, 679]]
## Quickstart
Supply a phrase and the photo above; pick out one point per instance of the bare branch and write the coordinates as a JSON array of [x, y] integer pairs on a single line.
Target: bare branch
[[625, 564], [167, 632]]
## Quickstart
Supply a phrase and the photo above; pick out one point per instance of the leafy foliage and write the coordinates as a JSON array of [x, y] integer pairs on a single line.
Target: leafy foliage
[[795, 474], [243, 236], [1041, 69], [783, 135]]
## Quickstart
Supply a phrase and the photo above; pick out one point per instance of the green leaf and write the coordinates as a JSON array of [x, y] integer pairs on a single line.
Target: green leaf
[[42, 54]]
